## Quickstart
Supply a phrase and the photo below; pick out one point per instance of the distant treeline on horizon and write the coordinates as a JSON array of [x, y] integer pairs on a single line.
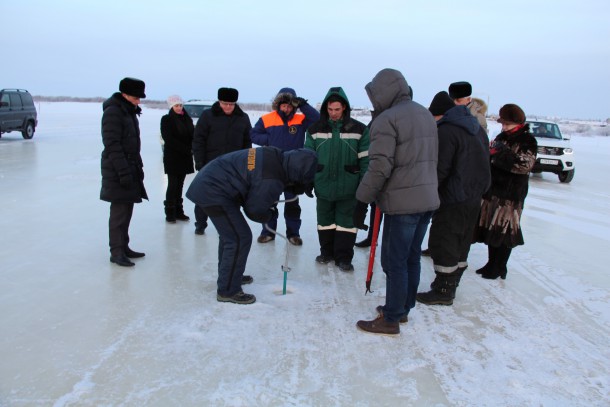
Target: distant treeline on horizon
[[153, 104], [265, 107]]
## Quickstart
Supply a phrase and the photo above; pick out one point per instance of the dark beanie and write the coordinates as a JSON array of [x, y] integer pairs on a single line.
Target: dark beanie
[[228, 95], [132, 87], [511, 113], [440, 104], [459, 90]]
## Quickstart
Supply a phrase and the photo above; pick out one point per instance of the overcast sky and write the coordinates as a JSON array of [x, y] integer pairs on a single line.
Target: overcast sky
[[551, 58]]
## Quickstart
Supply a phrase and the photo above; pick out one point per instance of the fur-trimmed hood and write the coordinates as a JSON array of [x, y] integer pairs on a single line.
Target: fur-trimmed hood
[[479, 106], [285, 95]]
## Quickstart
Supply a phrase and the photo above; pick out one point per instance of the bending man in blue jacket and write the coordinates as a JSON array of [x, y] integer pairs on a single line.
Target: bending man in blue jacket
[[251, 179]]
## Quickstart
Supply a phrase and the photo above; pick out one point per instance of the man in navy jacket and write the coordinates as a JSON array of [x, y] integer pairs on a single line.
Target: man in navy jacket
[[285, 128]]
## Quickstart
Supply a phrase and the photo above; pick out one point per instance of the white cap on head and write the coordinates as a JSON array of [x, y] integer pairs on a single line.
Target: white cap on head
[[174, 100]]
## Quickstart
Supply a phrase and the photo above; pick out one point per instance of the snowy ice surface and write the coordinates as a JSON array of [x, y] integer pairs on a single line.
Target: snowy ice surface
[[79, 331]]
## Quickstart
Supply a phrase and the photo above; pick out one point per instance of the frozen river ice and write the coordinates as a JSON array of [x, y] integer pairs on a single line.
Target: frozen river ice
[[79, 331]]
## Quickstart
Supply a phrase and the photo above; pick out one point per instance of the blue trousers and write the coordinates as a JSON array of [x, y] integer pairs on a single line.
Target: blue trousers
[[401, 261], [235, 240]]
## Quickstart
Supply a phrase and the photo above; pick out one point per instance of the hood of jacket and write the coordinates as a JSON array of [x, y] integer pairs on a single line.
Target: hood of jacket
[[300, 166], [285, 95], [460, 116], [118, 100], [339, 92], [388, 88]]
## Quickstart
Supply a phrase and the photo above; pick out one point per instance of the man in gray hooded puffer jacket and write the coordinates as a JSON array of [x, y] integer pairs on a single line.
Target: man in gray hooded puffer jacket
[[401, 178]]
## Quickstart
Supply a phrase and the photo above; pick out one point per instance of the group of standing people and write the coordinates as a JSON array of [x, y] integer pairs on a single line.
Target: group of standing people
[[415, 164]]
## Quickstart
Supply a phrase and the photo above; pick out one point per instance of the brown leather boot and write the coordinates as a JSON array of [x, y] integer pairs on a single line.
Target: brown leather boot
[[379, 326]]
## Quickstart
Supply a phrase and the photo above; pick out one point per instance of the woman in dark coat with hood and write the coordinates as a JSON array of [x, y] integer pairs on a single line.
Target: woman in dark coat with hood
[[177, 131], [513, 155]]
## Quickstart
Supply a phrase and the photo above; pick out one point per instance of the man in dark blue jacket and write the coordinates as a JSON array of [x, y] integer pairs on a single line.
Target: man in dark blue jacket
[[251, 179], [284, 128], [463, 176]]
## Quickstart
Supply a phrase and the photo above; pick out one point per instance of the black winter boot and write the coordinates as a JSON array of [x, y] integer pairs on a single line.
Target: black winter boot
[[327, 244], [344, 250], [459, 272], [180, 211], [170, 211], [364, 243], [369, 238], [491, 258], [499, 269], [443, 293]]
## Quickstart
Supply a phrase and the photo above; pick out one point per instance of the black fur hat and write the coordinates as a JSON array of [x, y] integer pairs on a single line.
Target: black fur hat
[[459, 90], [228, 95], [440, 104], [132, 87]]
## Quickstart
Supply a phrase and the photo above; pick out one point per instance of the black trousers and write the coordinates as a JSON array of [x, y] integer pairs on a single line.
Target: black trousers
[[201, 218], [372, 220], [175, 184], [118, 226], [451, 235]]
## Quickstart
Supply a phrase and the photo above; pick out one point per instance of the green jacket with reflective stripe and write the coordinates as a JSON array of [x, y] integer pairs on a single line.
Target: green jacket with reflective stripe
[[342, 147]]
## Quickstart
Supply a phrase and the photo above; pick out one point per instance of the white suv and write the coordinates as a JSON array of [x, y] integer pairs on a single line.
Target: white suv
[[554, 151]]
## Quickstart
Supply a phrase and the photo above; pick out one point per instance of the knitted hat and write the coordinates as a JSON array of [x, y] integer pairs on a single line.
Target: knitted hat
[[440, 104], [511, 114], [228, 95], [132, 87], [174, 100], [459, 90]]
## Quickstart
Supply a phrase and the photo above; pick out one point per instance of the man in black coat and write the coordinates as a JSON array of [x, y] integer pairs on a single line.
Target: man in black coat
[[251, 179], [122, 167], [463, 176], [222, 129]]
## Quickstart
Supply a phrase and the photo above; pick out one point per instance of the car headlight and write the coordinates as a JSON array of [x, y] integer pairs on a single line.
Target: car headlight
[[567, 151]]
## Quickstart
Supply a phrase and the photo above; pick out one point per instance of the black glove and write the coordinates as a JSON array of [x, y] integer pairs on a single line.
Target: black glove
[[298, 102], [360, 215], [309, 190], [126, 181]]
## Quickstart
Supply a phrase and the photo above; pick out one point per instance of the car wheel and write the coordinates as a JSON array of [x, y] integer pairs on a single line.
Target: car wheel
[[566, 176], [28, 131]]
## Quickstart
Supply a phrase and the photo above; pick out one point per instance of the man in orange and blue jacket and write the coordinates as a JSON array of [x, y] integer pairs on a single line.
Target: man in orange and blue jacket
[[284, 128]]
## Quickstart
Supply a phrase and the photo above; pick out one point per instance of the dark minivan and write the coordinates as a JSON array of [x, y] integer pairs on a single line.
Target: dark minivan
[[17, 112]]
